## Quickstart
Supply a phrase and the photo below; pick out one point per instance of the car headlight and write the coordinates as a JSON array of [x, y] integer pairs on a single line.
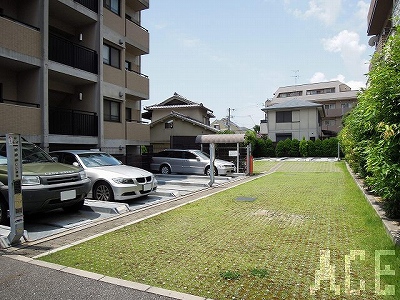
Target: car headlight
[[30, 180], [123, 180], [83, 175]]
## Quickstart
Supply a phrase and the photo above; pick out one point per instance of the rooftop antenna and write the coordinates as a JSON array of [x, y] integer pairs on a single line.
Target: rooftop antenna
[[296, 76]]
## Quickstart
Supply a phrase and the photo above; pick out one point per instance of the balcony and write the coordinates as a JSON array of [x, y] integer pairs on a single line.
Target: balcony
[[138, 5], [20, 37], [336, 112], [138, 132], [90, 4], [65, 52], [72, 122], [137, 84], [137, 38]]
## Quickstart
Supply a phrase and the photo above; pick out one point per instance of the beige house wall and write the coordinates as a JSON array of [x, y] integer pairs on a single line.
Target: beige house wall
[[20, 38], [114, 130], [113, 75], [138, 132], [304, 124], [113, 21], [194, 113], [160, 134], [11, 116]]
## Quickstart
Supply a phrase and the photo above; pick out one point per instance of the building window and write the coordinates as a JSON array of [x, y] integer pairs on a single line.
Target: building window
[[169, 124], [330, 106], [112, 111], [320, 91], [330, 122], [283, 116], [346, 105], [128, 114], [111, 56], [112, 5], [128, 65], [290, 94], [283, 136]]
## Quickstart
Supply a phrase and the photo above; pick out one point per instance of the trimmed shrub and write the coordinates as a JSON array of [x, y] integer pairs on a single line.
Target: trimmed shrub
[[294, 148], [303, 148], [318, 148]]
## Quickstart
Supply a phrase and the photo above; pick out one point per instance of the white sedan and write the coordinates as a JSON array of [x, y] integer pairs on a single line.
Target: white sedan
[[110, 179]]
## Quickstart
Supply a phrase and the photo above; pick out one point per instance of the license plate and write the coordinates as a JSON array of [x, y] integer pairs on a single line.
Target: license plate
[[67, 195], [147, 187]]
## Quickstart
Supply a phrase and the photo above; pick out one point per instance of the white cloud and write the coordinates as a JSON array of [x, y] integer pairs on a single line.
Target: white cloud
[[347, 43], [363, 8], [318, 77], [326, 11]]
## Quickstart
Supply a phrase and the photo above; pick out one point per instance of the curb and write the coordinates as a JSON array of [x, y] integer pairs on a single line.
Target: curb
[[107, 279]]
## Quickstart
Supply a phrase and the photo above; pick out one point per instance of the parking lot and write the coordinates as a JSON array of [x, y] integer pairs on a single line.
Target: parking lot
[[42, 225]]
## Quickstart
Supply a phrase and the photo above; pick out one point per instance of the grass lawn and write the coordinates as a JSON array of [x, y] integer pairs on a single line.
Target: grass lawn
[[307, 219]]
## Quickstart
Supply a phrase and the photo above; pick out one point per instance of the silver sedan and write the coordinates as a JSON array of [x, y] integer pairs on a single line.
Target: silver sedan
[[111, 180]]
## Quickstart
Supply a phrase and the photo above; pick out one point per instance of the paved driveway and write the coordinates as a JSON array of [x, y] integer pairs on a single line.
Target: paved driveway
[[169, 187]]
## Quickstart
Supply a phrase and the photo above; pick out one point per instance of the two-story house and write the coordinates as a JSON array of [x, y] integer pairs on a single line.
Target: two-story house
[[176, 122], [70, 73]]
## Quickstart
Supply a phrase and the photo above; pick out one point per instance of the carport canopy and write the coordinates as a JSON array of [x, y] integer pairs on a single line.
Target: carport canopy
[[220, 138], [213, 139]]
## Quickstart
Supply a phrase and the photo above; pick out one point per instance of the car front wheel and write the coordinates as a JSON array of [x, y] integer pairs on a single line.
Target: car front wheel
[[102, 191], [165, 169], [208, 173]]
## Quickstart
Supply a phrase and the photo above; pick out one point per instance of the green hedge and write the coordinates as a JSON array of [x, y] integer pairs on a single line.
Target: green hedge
[[371, 133], [264, 147]]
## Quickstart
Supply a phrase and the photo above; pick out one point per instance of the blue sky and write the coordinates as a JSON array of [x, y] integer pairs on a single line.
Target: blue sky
[[236, 54]]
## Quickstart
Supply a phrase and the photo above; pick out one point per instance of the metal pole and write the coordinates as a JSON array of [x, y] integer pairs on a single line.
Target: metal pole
[[237, 157], [14, 170], [212, 158]]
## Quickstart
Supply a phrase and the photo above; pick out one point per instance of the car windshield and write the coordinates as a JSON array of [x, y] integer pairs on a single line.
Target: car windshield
[[91, 160], [30, 154], [201, 154]]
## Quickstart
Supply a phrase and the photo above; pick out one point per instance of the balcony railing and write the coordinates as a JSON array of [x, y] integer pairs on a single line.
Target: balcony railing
[[72, 122], [21, 103], [64, 51], [91, 4]]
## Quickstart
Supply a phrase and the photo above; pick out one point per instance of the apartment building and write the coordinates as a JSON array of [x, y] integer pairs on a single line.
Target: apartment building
[[335, 98], [70, 73], [383, 16]]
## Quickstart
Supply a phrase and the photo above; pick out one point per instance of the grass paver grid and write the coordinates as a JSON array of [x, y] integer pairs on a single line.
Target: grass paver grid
[[222, 248]]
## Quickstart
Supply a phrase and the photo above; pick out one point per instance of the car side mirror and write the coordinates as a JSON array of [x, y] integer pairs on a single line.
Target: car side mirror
[[198, 158], [55, 158], [75, 164]]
